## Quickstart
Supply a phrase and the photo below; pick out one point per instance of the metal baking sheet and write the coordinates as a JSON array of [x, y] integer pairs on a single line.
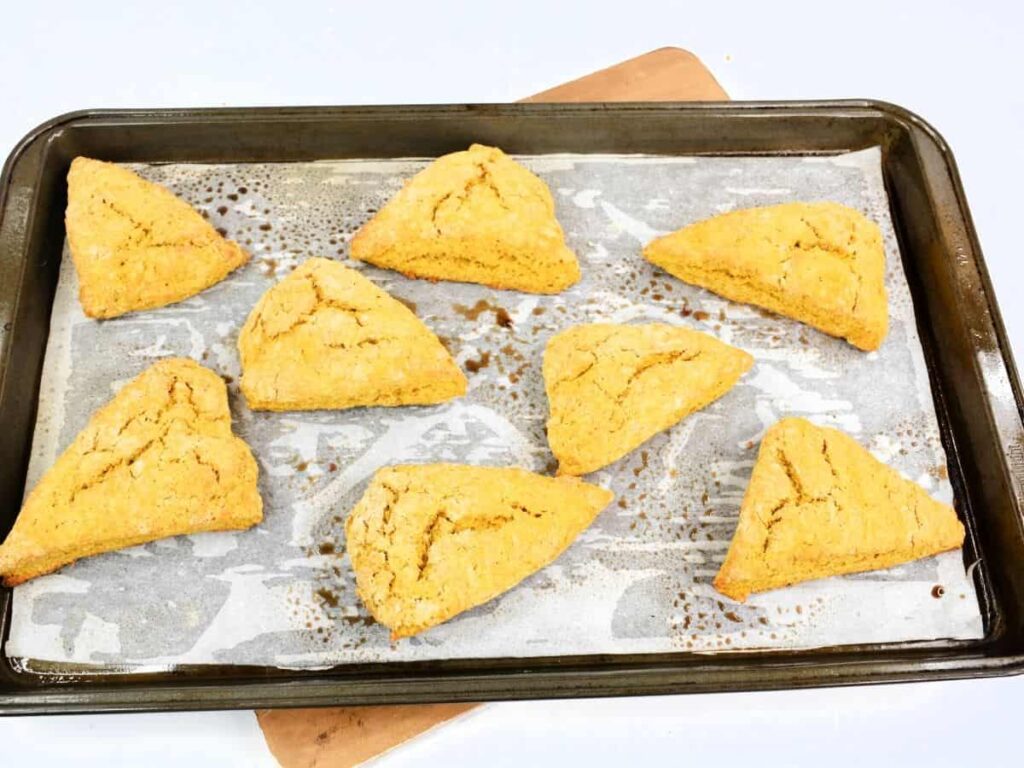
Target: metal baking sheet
[[638, 581], [971, 377]]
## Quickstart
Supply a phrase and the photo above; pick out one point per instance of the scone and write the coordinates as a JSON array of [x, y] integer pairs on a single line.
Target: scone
[[820, 505], [158, 460], [475, 216], [611, 387], [137, 246], [429, 542], [820, 263], [326, 337]]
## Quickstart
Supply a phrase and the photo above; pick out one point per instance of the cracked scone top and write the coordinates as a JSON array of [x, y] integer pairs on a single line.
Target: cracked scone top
[[428, 542], [326, 337], [819, 504], [475, 216], [137, 246], [820, 263], [158, 460], [612, 387]]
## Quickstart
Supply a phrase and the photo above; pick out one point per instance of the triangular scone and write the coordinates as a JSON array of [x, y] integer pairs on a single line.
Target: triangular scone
[[611, 387], [158, 460], [819, 504], [326, 337], [820, 263], [137, 246], [475, 216], [429, 542]]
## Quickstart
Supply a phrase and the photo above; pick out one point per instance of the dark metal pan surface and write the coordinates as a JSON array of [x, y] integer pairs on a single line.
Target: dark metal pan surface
[[973, 379]]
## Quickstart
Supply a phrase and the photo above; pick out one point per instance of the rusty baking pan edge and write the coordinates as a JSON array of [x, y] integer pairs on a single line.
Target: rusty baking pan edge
[[974, 380]]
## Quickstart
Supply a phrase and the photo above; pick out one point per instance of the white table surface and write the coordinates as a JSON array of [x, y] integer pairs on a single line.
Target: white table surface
[[956, 65]]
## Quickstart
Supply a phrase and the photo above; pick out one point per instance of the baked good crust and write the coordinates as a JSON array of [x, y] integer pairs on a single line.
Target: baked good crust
[[612, 387], [474, 216], [137, 246], [158, 460], [820, 263], [428, 542], [326, 337], [818, 505]]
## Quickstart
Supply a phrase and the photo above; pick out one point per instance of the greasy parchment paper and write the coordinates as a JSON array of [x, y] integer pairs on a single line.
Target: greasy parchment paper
[[637, 581]]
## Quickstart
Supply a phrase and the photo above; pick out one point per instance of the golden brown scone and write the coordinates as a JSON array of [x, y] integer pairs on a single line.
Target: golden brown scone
[[611, 387], [137, 246], [820, 263], [158, 460], [475, 216], [429, 542], [820, 505], [326, 337]]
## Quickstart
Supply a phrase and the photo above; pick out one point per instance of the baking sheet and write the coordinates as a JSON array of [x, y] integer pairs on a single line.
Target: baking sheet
[[637, 581]]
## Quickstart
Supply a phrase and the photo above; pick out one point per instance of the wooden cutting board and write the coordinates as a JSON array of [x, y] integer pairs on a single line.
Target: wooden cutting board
[[667, 74], [341, 737]]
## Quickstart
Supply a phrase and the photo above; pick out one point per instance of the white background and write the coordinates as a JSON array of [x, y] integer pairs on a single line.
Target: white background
[[958, 65]]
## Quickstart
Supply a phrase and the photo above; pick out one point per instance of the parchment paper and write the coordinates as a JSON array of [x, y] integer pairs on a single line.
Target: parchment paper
[[638, 580]]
